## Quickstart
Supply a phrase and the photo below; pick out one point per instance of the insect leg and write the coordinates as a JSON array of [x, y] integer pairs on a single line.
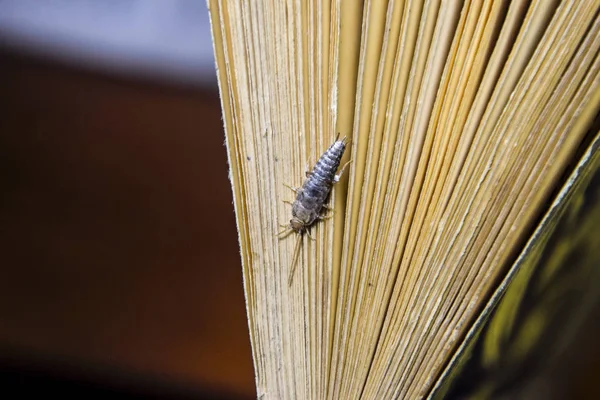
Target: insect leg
[[324, 217], [307, 172], [291, 187], [308, 234], [326, 207], [337, 178]]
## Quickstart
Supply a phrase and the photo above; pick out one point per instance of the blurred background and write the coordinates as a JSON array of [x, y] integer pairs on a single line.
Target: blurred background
[[121, 273]]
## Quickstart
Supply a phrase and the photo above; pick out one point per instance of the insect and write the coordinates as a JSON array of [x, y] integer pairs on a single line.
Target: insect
[[311, 197]]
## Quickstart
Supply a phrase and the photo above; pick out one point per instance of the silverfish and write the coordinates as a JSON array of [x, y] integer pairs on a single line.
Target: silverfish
[[312, 195]]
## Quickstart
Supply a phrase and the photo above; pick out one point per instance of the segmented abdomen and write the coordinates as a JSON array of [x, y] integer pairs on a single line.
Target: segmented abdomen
[[325, 168]]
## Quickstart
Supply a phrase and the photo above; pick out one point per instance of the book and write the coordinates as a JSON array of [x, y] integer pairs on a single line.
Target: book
[[464, 121]]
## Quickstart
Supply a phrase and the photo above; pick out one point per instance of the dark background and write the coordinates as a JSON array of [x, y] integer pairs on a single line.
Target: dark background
[[120, 264]]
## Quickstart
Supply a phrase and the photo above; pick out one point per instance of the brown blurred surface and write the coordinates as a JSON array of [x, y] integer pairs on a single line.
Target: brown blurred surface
[[117, 234]]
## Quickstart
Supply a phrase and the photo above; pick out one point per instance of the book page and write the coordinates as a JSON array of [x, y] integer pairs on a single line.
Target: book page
[[461, 117]]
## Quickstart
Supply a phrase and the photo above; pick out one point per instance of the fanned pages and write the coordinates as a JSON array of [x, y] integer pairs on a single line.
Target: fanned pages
[[463, 118]]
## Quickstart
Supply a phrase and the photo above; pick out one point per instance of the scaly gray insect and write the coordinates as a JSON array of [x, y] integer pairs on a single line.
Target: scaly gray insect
[[312, 195]]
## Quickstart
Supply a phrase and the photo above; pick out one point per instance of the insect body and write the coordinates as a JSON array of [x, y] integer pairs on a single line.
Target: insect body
[[311, 197]]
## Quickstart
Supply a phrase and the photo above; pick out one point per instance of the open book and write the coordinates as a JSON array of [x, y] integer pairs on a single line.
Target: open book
[[465, 119]]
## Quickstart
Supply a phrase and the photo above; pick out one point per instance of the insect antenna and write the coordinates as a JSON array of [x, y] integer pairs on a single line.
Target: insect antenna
[[288, 229], [295, 259]]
